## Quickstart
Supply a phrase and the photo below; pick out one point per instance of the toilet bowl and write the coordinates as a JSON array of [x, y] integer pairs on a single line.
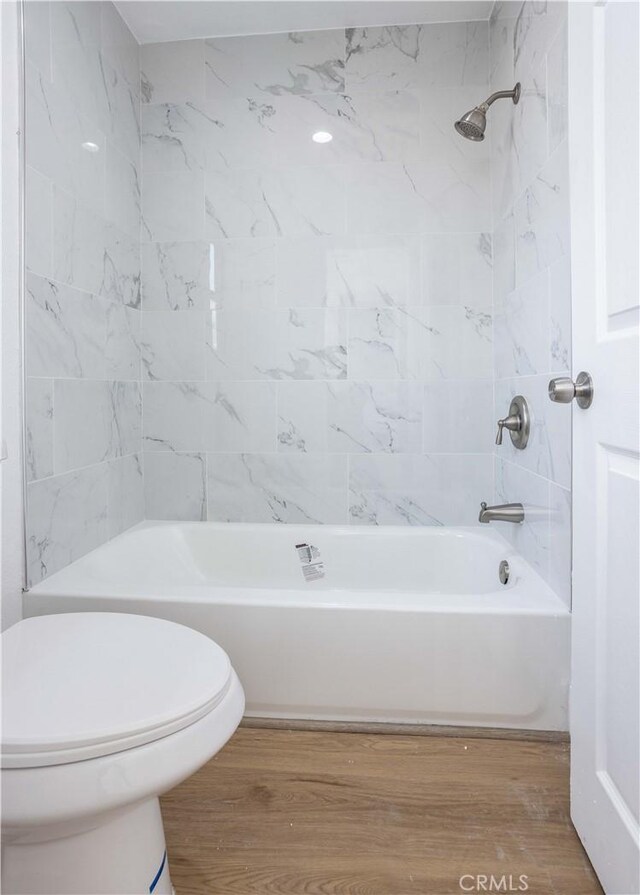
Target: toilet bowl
[[101, 714]]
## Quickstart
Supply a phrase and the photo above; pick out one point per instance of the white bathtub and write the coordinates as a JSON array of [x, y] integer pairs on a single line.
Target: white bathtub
[[405, 625]]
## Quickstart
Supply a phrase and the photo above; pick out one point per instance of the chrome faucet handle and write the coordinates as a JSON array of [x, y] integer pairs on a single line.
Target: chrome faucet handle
[[513, 423], [518, 422]]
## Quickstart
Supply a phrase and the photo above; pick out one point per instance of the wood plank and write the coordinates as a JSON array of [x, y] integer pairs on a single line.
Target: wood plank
[[282, 812]]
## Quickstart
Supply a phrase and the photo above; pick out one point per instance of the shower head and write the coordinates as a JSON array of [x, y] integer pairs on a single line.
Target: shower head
[[472, 124]]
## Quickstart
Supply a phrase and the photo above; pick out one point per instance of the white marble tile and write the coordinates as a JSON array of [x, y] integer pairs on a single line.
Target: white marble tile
[[37, 33], [412, 56], [270, 202], [172, 72], [172, 138], [56, 131], [173, 206], [39, 434], [76, 21], [458, 417], [174, 415], [75, 54], [120, 47], [557, 90], [444, 489], [121, 267], [560, 315], [302, 416], [173, 345], [177, 276], [242, 273], [384, 344], [530, 125], [384, 198], [458, 342], [504, 261], [242, 417], [307, 62], [122, 196], [123, 118], [297, 488], [521, 330], [383, 58], [501, 31], [359, 271], [560, 542], [122, 347], [125, 493], [95, 421], [378, 417], [126, 418], [364, 126], [66, 331], [175, 486], [531, 539], [237, 132], [457, 269], [241, 344], [419, 198], [38, 223], [311, 343], [79, 256], [455, 53], [67, 517], [504, 163], [235, 274], [542, 218], [535, 27]]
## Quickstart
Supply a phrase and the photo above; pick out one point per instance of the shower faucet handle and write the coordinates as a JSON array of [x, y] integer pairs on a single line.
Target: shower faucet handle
[[512, 423], [518, 423]]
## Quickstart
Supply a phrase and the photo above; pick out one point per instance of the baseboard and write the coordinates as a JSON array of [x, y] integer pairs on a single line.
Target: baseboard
[[422, 730]]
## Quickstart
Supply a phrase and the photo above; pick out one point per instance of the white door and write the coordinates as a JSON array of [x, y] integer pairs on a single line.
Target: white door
[[604, 116]]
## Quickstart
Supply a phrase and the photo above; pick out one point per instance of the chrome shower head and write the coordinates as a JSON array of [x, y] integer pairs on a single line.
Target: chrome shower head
[[472, 124]]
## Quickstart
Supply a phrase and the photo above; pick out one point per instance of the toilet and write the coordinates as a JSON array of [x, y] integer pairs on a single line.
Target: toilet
[[101, 714]]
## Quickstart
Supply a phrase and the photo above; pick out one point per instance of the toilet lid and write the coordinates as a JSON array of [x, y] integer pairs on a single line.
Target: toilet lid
[[80, 685]]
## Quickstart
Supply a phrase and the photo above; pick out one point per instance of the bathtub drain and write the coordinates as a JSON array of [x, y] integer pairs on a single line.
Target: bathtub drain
[[503, 572]]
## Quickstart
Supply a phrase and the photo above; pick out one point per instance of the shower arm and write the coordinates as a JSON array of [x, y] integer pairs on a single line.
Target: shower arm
[[502, 94]]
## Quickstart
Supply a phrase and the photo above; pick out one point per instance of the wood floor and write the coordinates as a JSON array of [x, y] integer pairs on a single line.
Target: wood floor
[[282, 812]]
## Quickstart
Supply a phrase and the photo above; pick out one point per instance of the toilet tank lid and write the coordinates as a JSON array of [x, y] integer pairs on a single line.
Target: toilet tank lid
[[85, 684]]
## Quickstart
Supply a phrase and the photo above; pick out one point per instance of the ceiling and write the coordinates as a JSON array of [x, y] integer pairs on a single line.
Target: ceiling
[[154, 21]]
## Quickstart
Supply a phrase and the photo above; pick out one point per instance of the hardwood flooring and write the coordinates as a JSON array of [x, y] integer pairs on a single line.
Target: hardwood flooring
[[283, 812]]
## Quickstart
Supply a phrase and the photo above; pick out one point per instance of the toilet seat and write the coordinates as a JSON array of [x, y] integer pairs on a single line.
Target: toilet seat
[[84, 685]]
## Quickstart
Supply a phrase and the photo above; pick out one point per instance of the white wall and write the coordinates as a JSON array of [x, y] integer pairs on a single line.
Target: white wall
[[83, 281], [316, 319], [532, 283], [11, 554]]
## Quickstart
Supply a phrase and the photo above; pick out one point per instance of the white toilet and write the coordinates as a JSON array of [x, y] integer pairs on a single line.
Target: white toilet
[[101, 714]]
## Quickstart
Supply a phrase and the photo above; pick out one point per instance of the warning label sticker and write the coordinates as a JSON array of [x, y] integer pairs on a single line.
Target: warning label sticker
[[310, 562]]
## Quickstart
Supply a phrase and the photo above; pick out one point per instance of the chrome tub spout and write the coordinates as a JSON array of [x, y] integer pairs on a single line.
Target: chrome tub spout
[[504, 512]]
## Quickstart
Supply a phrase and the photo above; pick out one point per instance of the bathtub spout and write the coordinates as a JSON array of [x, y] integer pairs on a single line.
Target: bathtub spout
[[505, 512]]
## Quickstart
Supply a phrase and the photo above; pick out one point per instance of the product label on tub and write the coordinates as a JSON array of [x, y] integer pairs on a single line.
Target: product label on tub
[[310, 562]]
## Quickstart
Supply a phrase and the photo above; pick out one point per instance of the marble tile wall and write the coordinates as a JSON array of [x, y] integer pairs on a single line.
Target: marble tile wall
[[532, 288], [317, 319], [84, 398]]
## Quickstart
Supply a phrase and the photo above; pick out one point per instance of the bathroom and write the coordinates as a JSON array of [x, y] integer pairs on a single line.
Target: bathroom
[[319, 395]]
